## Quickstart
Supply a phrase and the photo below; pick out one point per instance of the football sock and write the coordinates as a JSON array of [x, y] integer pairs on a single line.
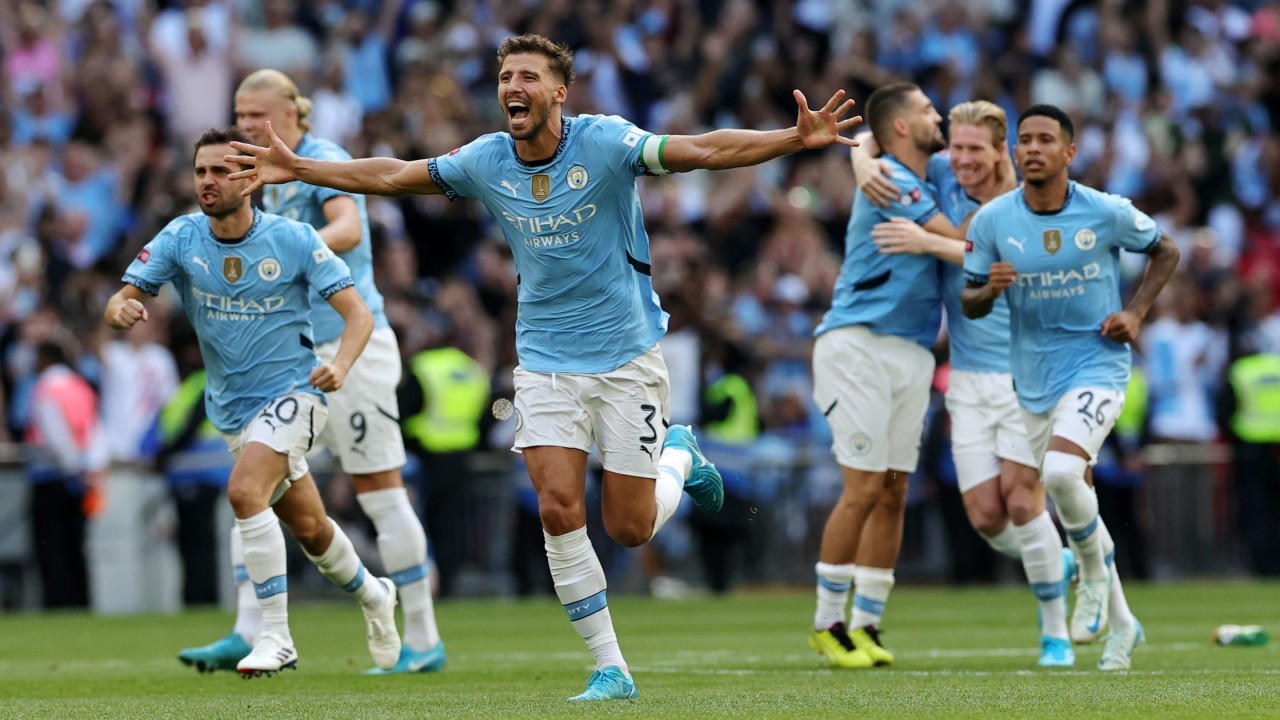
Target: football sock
[[674, 466], [264, 559], [834, 583], [402, 543], [1042, 561], [580, 585], [1063, 476], [1005, 542], [1118, 606], [342, 566], [871, 586], [248, 611]]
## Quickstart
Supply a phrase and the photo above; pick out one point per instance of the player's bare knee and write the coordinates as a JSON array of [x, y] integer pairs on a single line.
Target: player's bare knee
[[312, 532], [245, 500], [1023, 508], [560, 514], [631, 533], [987, 521]]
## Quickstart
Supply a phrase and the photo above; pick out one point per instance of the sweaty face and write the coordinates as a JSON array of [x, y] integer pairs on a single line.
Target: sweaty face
[[973, 154], [528, 89], [218, 196], [1043, 150], [925, 123], [254, 108]]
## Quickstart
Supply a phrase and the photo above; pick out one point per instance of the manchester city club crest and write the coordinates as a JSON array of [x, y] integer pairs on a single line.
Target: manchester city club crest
[[1086, 239], [269, 269], [232, 268], [577, 177], [540, 186], [1052, 241]]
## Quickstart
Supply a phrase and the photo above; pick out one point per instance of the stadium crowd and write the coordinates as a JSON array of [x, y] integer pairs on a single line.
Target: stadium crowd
[[1177, 105]]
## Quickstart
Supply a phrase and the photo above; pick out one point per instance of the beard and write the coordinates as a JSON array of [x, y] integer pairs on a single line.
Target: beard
[[933, 143], [225, 208], [534, 126]]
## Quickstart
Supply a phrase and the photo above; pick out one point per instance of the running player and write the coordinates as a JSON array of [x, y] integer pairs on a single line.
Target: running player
[[872, 370], [365, 433], [995, 466], [1053, 249], [246, 280], [563, 191]]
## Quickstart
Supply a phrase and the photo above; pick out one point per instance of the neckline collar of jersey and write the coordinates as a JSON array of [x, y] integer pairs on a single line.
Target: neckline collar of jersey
[[1071, 193], [904, 166], [565, 124], [257, 215]]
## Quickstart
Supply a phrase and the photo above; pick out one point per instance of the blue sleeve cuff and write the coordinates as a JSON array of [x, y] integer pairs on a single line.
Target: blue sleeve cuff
[[144, 285], [434, 169], [928, 216], [342, 284], [1155, 242], [976, 278]]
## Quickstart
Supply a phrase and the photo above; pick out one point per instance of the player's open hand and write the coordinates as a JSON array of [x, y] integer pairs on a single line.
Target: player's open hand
[[900, 236], [328, 377], [268, 165], [128, 313], [1122, 327], [818, 129], [1001, 276], [875, 181]]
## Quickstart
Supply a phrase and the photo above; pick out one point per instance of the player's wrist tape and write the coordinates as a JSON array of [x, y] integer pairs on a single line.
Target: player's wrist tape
[[651, 153]]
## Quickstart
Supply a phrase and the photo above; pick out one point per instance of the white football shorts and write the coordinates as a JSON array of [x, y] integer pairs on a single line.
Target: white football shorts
[[624, 413], [986, 426], [364, 431], [289, 425], [1085, 416]]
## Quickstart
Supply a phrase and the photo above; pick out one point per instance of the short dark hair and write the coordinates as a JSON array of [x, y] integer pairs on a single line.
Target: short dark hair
[[51, 352], [1053, 112], [219, 136], [558, 55], [884, 106]]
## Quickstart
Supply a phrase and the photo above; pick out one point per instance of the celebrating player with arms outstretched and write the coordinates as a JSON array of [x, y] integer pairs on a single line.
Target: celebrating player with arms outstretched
[[246, 280], [1052, 248], [563, 191]]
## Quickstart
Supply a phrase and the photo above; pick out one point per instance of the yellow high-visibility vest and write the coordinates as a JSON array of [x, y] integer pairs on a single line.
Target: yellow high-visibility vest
[[455, 390], [1256, 380], [742, 425]]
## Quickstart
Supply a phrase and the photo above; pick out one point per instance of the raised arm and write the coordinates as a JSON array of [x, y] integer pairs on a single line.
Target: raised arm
[[938, 237], [723, 149], [356, 329], [126, 308], [342, 230], [1123, 326], [368, 176], [871, 173]]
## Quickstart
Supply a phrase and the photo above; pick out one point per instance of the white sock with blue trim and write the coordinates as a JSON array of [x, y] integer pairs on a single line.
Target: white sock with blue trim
[[264, 559], [834, 584], [403, 546], [580, 585], [1118, 606], [1042, 561], [1005, 542], [248, 611], [342, 566], [871, 586]]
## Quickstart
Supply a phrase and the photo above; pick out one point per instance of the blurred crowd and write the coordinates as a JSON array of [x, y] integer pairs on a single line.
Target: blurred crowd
[[1177, 105]]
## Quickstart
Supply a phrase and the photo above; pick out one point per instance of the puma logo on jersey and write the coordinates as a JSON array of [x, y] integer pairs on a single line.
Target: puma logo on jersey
[[515, 189], [201, 262], [1017, 243]]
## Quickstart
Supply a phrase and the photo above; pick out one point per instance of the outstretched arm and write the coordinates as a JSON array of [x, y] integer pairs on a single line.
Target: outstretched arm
[[1123, 326], [368, 176], [872, 174], [723, 149]]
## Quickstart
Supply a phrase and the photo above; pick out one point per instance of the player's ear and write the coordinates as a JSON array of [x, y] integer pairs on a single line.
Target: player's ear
[[561, 93]]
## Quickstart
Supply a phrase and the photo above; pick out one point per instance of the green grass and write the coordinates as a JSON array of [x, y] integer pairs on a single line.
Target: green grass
[[961, 653]]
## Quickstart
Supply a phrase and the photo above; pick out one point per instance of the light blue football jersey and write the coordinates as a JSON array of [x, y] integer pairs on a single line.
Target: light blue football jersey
[[305, 203], [889, 294], [1068, 283], [574, 224], [976, 345], [250, 302]]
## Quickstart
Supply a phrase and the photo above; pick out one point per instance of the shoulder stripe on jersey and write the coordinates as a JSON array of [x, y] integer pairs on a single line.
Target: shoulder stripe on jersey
[[651, 154]]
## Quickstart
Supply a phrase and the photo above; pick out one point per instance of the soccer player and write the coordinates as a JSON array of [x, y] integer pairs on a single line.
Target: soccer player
[[872, 370], [995, 466], [365, 432], [563, 191], [1052, 248], [246, 280]]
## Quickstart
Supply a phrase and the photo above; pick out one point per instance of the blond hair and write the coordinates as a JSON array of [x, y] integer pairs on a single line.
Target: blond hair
[[982, 113], [280, 83]]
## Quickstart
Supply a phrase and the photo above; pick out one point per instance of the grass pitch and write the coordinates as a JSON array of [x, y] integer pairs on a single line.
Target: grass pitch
[[961, 653]]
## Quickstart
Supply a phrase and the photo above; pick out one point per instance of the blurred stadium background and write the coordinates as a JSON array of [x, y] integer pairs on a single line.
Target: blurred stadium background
[[1177, 104]]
